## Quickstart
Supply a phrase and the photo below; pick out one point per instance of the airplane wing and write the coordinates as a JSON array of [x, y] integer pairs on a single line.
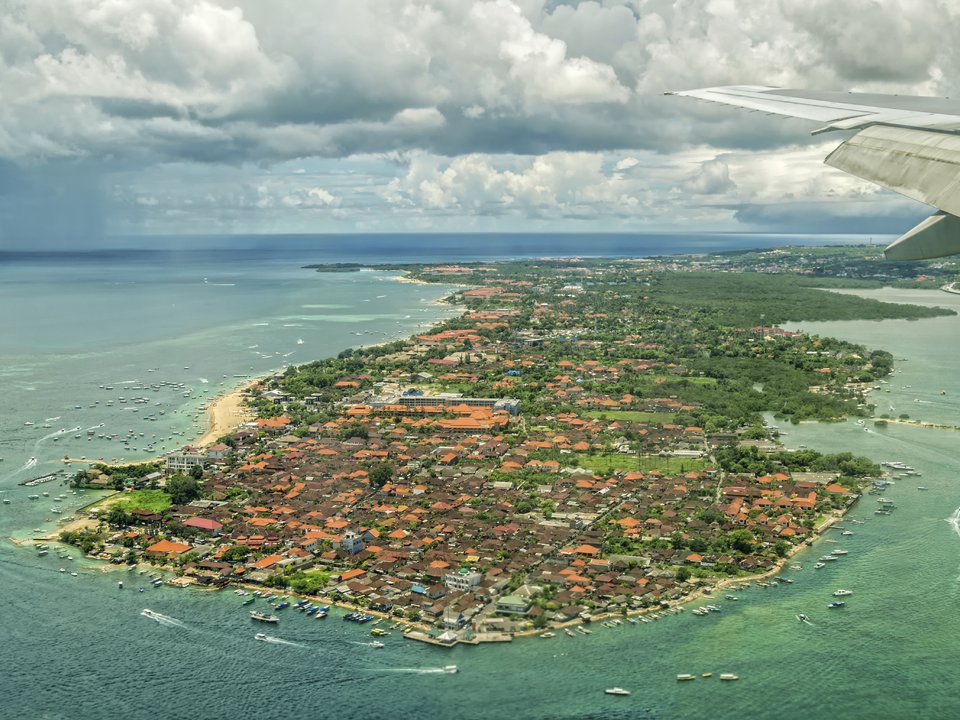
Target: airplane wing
[[907, 144]]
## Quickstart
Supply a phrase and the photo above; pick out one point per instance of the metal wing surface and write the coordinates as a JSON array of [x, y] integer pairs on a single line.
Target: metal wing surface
[[904, 143]]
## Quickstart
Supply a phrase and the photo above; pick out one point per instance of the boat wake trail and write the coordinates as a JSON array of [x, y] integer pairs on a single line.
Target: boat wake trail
[[954, 521], [162, 619], [280, 641]]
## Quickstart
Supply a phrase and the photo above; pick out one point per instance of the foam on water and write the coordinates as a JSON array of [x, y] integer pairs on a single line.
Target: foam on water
[[954, 521]]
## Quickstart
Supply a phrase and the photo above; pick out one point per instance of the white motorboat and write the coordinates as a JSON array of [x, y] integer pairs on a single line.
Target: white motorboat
[[616, 691]]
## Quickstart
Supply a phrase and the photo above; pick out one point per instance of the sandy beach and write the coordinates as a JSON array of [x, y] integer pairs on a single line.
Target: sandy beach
[[226, 413]]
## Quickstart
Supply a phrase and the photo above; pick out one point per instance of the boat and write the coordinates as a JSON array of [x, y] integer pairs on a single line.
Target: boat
[[837, 604], [616, 691], [376, 644], [120, 584], [729, 676], [847, 532], [548, 635], [841, 592], [685, 676], [450, 668], [802, 617], [569, 633], [262, 617], [838, 552], [261, 636], [247, 601], [147, 612], [378, 632]]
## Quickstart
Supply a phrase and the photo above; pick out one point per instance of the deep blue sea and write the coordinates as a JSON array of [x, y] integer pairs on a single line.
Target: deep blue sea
[[80, 331]]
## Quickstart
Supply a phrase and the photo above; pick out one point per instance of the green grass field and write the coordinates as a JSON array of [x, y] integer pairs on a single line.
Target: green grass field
[[645, 463], [153, 500], [657, 418]]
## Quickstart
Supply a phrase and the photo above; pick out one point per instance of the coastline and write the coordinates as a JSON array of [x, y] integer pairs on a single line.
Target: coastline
[[227, 412]]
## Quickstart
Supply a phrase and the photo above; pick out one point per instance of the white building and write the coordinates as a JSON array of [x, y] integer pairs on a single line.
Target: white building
[[462, 580]]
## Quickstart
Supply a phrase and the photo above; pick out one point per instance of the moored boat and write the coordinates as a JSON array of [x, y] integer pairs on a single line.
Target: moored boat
[[729, 676], [616, 691], [263, 617], [685, 676]]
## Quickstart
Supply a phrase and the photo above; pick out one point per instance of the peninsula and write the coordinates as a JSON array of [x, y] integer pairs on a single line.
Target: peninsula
[[586, 438]]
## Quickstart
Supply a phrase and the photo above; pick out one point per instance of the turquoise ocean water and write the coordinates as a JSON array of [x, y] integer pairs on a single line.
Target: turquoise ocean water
[[77, 647]]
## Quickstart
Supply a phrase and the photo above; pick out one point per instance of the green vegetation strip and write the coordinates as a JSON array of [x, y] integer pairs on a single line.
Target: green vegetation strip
[[643, 463]]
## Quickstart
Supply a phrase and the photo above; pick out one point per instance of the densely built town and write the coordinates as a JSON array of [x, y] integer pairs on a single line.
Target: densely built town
[[587, 437]]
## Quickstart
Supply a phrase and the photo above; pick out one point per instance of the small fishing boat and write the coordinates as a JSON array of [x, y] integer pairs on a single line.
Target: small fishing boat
[[685, 677], [729, 676]]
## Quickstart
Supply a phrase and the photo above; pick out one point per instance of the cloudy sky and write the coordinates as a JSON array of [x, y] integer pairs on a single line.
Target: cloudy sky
[[259, 116]]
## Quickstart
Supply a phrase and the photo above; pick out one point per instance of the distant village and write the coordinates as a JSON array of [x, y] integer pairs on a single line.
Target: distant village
[[547, 457]]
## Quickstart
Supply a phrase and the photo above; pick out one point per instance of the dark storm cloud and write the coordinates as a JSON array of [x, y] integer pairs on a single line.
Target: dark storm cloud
[[50, 208], [494, 105]]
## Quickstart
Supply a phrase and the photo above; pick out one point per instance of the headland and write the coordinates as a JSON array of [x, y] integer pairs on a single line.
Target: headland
[[584, 442]]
